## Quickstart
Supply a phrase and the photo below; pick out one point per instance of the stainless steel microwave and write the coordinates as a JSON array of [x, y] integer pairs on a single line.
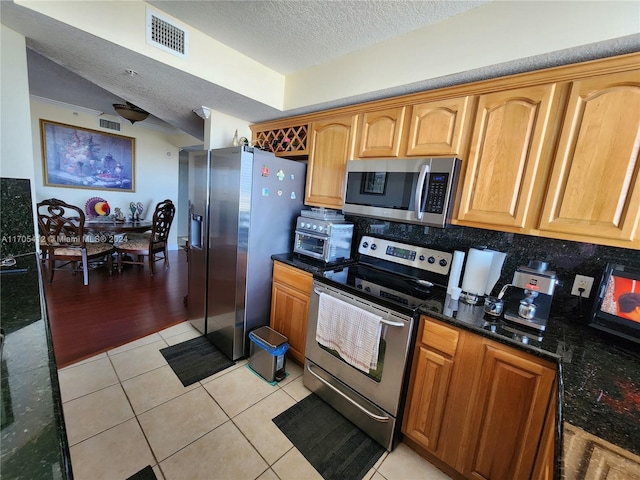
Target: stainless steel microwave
[[408, 190]]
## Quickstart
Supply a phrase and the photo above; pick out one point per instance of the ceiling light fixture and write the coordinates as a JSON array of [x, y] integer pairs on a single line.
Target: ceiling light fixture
[[130, 112]]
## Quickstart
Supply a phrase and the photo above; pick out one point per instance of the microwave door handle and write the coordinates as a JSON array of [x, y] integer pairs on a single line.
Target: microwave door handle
[[424, 172]]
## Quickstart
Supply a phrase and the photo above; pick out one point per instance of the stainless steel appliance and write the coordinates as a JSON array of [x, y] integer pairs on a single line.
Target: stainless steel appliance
[[531, 292], [243, 203], [394, 281], [412, 190], [324, 235]]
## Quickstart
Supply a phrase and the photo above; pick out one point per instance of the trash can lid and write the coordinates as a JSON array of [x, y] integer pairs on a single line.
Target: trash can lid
[[270, 336]]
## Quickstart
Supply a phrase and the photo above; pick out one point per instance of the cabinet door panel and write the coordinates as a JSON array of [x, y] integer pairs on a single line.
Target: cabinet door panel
[[511, 406], [595, 186], [437, 128], [289, 311], [428, 400], [331, 145], [506, 154], [381, 133]]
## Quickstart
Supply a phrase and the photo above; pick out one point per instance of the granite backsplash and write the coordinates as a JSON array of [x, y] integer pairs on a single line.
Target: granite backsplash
[[565, 257]]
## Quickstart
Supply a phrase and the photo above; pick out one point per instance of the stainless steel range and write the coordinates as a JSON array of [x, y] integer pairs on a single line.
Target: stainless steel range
[[390, 283]]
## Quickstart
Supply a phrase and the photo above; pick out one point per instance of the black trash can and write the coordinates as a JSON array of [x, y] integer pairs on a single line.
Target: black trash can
[[267, 353]]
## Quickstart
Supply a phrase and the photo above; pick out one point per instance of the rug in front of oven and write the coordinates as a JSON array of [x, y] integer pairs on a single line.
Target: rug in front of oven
[[195, 360], [335, 447]]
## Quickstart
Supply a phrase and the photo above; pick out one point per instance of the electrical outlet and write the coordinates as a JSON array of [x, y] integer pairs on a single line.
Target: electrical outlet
[[582, 281]]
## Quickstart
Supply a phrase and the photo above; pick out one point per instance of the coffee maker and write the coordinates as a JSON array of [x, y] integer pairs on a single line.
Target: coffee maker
[[529, 301]]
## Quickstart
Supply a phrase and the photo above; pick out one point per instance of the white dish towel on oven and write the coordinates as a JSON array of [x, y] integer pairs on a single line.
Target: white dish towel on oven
[[353, 332]]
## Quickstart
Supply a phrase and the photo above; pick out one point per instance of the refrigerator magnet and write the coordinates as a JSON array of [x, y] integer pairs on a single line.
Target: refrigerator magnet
[[279, 192], [293, 195], [293, 177], [265, 192], [280, 175], [265, 171]]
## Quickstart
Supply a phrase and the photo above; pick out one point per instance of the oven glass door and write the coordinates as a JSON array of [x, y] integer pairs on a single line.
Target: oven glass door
[[315, 246], [383, 384]]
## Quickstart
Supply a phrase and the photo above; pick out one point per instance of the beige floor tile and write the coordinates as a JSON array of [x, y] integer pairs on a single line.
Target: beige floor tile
[[268, 475], [96, 412], [405, 463], [178, 422], [238, 390], [377, 476], [184, 327], [239, 364], [158, 472], [293, 466], [296, 389], [86, 360], [154, 388], [223, 453], [256, 424], [182, 337], [116, 453], [154, 337], [139, 360], [89, 377]]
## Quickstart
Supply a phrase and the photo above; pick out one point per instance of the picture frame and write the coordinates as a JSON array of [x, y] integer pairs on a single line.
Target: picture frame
[[78, 157]]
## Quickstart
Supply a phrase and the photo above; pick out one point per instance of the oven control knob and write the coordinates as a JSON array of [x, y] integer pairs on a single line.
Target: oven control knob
[[365, 245], [432, 259], [367, 289], [320, 228], [373, 246], [314, 226], [308, 225], [359, 286], [421, 258], [443, 262]]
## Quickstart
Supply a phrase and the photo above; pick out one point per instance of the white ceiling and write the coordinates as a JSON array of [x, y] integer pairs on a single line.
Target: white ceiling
[[75, 67]]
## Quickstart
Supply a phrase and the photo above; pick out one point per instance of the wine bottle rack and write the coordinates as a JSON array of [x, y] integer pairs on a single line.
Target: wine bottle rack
[[287, 141]]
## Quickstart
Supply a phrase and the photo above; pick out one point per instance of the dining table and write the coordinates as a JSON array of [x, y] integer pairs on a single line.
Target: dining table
[[107, 229]]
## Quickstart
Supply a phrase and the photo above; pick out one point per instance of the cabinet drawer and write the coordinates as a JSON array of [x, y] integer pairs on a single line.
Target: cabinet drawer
[[439, 336], [292, 276]]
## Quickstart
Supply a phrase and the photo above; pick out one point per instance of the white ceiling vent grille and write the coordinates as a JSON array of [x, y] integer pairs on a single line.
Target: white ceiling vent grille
[[166, 34], [109, 124]]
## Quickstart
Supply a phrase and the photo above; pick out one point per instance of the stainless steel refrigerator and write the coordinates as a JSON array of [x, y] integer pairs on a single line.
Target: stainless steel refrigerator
[[243, 204]]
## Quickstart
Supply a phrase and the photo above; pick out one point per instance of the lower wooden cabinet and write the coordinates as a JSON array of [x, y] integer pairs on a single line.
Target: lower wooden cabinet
[[587, 457], [290, 293], [479, 406]]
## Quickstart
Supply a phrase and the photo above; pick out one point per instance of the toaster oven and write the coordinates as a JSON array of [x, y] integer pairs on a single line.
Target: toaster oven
[[325, 240]]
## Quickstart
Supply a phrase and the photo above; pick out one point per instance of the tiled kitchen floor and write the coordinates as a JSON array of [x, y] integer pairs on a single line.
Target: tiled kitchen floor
[[125, 409]]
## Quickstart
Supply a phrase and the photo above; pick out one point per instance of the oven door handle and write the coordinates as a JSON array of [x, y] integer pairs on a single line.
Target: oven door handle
[[346, 397], [386, 322]]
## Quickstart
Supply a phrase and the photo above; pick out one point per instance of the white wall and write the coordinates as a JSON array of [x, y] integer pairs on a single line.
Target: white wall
[[156, 165]]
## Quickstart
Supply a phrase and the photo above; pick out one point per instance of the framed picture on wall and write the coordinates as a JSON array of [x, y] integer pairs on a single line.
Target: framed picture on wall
[[77, 157]]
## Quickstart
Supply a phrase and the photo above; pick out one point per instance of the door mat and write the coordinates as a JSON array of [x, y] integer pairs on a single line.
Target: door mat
[[195, 360], [146, 473], [335, 447]]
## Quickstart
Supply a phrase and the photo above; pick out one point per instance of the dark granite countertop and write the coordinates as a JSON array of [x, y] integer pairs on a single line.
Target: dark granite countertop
[[33, 438], [599, 374]]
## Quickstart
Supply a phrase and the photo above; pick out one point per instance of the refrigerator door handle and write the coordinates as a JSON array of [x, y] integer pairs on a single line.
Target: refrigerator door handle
[[196, 233]]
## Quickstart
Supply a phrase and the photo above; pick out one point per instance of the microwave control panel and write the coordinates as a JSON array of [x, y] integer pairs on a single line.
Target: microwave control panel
[[436, 198]]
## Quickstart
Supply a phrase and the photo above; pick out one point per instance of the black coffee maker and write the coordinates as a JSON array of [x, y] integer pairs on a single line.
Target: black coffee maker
[[529, 300]]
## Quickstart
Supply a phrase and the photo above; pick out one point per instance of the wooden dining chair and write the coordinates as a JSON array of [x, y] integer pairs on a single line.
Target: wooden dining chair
[[153, 245], [61, 229]]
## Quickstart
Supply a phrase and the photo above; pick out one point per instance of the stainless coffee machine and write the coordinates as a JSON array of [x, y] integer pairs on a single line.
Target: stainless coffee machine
[[529, 299]]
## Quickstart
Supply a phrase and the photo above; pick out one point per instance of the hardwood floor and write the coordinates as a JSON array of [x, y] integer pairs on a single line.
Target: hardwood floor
[[113, 309]]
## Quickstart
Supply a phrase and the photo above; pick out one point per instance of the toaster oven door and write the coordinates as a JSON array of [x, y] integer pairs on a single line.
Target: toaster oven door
[[312, 245]]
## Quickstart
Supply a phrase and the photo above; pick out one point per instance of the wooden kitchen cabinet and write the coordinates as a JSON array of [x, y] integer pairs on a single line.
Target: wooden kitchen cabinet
[[509, 156], [478, 406], [290, 293], [331, 144], [381, 133], [439, 127], [587, 457], [594, 189]]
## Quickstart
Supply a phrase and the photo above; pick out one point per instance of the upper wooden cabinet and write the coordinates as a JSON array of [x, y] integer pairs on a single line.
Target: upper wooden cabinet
[[331, 144], [594, 188], [381, 133], [506, 156], [438, 128]]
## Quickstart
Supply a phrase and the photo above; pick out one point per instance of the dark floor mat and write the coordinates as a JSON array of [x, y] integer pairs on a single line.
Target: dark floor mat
[[195, 360], [145, 474], [335, 447]]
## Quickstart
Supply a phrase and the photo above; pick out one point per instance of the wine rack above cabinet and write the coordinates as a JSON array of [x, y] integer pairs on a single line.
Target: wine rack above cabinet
[[284, 142]]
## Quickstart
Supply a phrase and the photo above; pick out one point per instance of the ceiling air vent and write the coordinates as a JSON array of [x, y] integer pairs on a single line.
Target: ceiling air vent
[[109, 124], [166, 35]]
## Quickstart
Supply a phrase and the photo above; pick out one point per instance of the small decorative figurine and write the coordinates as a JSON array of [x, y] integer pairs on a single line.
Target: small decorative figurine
[[119, 216]]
